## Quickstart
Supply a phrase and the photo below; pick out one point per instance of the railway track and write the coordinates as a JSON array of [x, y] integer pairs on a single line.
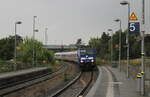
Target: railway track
[[9, 87], [76, 87]]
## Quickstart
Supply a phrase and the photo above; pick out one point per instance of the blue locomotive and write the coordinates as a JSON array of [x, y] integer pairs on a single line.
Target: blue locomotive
[[85, 57]]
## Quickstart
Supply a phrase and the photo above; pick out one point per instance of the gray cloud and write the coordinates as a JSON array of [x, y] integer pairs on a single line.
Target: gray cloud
[[67, 20]]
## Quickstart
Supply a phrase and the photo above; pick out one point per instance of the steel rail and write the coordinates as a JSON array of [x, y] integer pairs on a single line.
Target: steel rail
[[43, 77], [86, 87], [61, 91]]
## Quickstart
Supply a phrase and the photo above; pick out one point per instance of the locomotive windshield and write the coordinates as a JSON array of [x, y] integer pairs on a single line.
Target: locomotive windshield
[[86, 51]]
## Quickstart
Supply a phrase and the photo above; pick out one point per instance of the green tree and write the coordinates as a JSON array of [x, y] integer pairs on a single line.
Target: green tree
[[7, 47], [95, 43], [147, 45], [115, 46], [101, 45], [105, 48], [26, 51], [79, 43], [135, 47]]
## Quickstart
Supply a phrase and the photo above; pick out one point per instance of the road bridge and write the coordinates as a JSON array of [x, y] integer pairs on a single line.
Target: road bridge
[[58, 48]]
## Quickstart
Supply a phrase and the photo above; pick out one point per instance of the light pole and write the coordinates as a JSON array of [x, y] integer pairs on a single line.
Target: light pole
[[118, 20], [127, 36], [110, 30], [34, 30], [142, 50], [46, 37], [15, 51]]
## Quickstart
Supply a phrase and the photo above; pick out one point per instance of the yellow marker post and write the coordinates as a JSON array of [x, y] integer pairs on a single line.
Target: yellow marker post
[[142, 73], [142, 53], [139, 75], [138, 81]]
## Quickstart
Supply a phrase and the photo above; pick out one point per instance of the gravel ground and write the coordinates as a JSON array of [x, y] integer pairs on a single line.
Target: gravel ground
[[73, 90], [76, 88], [95, 75], [50, 86]]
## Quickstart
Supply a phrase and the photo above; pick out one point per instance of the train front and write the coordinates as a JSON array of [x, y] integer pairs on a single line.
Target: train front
[[87, 58]]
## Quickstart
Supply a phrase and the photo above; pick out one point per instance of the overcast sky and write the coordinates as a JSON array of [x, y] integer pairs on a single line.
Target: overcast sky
[[66, 20]]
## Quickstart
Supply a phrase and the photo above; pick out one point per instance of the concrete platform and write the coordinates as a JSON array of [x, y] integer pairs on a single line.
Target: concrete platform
[[113, 83], [20, 72]]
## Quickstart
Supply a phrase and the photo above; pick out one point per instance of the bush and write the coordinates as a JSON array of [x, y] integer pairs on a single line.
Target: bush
[[100, 61], [42, 55]]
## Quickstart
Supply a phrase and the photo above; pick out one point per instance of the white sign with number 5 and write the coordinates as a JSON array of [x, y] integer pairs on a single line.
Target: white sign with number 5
[[134, 27]]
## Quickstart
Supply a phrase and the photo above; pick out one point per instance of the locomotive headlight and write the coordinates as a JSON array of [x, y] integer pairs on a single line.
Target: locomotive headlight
[[92, 60], [81, 61]]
